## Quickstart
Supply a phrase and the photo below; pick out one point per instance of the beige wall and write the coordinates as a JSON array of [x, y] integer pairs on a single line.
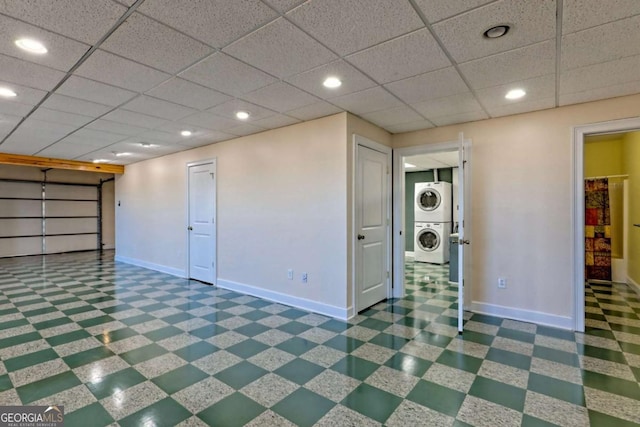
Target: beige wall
[[632, 168], [281, 203], [521, 198]]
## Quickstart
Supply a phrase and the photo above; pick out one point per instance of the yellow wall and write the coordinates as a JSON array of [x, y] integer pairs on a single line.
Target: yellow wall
[[521, 205], [632, 167], [603, 157]]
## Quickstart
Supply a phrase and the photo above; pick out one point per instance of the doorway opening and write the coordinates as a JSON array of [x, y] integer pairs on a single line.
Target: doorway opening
[[606, 243]]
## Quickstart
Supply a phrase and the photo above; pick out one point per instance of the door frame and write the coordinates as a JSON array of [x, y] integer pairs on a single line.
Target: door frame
[[577, 208], [399, 226], [213, 162], [366, 142]]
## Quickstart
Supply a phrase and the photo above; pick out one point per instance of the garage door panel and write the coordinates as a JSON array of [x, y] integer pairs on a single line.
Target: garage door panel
[[23, 246], [67, 208], [20, 227], [20, 208], [23, 190], [71, 225], [57, 244], [73, 192]]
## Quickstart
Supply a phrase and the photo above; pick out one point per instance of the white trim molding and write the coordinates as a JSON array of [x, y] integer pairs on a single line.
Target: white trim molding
[[537, 317], [151, 266], [297, 302], [633, 285]]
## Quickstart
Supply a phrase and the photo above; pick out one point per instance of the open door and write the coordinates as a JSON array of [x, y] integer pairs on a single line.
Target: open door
[[462, 241]]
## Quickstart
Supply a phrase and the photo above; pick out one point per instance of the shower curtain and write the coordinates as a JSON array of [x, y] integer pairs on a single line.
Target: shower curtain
[[597, 230]]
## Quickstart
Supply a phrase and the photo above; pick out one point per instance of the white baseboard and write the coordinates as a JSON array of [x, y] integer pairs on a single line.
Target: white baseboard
[[151, 266], [409, 254], [537, 317], [633, 284], [298, 302]]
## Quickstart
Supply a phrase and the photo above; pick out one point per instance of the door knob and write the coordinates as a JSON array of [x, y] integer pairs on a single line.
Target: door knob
[[189, 228], [360, 237], [463, 242]]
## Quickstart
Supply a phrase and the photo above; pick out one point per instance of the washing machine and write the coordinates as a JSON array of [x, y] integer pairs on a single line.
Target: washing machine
[[432, 242], [432, 202]]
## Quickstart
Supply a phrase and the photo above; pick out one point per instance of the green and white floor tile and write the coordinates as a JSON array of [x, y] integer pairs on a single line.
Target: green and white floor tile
[[121, 345]]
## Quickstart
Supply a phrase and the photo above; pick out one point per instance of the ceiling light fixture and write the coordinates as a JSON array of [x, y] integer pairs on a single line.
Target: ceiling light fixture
[[146, 144], [242, 115], [100, 161], [409, 165], [121, 154], [497, 31], [515, 94], [31, 46], [186, 133], [332, 82], [7, 93]]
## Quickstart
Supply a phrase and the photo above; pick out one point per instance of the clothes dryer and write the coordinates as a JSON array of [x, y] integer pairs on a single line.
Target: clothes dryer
[[432, 202], [432, 242]]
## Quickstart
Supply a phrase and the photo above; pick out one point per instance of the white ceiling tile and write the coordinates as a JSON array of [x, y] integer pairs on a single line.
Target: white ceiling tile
[[314, 111], [436, 84], [210, 138], [227, 74], [613, 91], [230, 108], [97, 137], [347, 26], [352, 80], [280, 97], [89, 90], [522, 107], [393, 116], [405, 56], [63, 52], [410, 127], [78, 19], [600, 75], [114, 127], [26, 95], [192, 95], [155, 44], [135, 119], [537, 88], [461, 103], [276, 121], [600, 44], [244, 129], [208, 120], [54, 116], [66, 150], [158, 108], [14, 108], [281, 49], [367, 101], [284, 6], [460, 118], [7, 123], [34, 135], [531, 22], [75, 105], [156, 136], [514, 65], [82, 139], [177, 127], [581, 14], [215, 22], [29, 74], [109, 68], [437, 10]]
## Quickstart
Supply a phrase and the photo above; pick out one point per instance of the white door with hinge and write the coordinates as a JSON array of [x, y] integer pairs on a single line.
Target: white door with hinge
[[372, 223], [202, 221], [462, 241]]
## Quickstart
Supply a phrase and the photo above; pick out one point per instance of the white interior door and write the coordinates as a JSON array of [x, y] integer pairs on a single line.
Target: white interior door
[[202, 222], [462, 241], [372, 194]]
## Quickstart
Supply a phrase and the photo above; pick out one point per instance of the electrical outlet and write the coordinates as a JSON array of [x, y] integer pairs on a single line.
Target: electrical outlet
[[290, 274], [502, 282], [304, 277]]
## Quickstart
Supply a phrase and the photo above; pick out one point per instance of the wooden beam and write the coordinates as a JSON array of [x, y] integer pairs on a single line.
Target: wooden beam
[[21, 160]]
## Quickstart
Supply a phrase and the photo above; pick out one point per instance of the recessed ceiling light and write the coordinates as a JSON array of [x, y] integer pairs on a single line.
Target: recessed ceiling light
[[497, 31], [122, 154], [409, 165], [100, 161], [242, 115], [7, 93], [186, 133], [31, 46], [146, 144], [515, 94], [332, 82]]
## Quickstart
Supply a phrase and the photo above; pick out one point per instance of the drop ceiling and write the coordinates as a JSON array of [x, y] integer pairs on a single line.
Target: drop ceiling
[[122, 73]]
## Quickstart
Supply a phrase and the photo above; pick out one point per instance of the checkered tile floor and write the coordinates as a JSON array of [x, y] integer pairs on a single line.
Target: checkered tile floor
[[121, 345]]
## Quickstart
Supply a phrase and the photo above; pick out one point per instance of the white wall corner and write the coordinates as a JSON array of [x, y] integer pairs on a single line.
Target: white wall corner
[[293, 301], [537, 317], [151, 266], [633, 284]]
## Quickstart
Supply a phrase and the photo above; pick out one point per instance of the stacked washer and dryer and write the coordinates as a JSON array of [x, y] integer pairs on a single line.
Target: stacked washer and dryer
[[432, 222]]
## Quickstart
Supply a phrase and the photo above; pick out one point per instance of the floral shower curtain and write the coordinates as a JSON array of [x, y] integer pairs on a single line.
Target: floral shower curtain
[[597, 230]]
